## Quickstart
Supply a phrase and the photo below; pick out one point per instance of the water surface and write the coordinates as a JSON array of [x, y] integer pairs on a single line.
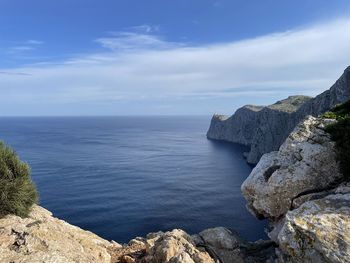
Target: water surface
[[122, 177]]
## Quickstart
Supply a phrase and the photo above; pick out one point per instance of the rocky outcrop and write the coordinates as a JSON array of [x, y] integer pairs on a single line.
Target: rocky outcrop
[[302, 193], [43, 238], [305, 163], [264, 129], [318, 231], [215, 245]]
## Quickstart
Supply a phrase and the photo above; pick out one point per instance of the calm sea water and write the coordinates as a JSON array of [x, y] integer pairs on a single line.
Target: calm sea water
[[122, 177]]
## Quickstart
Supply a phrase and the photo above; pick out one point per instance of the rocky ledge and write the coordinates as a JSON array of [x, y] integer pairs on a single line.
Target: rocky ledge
[[264, 129], [43, 238]]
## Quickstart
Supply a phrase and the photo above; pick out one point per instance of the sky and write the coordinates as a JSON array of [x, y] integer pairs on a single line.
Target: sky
[[163, 57]]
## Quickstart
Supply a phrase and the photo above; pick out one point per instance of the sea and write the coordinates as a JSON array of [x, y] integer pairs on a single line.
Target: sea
[[122, 177]]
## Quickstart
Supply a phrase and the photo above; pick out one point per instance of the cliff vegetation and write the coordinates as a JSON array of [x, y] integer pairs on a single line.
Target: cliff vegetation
[[340, 132]]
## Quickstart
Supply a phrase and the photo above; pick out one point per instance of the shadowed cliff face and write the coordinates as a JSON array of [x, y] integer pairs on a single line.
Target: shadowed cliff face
[[265, 128], [252, 123]]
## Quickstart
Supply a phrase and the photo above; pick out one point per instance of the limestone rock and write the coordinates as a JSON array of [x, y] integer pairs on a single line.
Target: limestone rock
[[305, 162], [220, 237], [177, 245], [215, 245], [227, 247], [43, 238], [318, 231]]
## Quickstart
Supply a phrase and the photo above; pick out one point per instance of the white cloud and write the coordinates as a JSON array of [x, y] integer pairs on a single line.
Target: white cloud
[[144, 67], [34, 42], [21, 48], [145, 28], [133, 41], [24, 46]]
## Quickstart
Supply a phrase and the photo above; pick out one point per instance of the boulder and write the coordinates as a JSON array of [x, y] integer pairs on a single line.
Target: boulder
[[174, 246], [305, 163]]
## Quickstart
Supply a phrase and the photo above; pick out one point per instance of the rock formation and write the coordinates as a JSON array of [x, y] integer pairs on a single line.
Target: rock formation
[[299, 189], [43, 238], [318, 231], [305, 162], [264, 129], [215, 245]]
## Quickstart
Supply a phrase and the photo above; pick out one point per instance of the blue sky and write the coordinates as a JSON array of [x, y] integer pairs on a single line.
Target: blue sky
[[89, 57]]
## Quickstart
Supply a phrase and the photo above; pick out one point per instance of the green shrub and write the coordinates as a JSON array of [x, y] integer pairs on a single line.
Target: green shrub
[[340, 133], [17, 191]]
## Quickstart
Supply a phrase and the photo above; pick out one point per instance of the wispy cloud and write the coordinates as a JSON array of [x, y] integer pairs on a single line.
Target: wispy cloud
[[21, 48], [144, 67], [24, 46], [34, 42], [134, 41], [145, 28], [13, 73]]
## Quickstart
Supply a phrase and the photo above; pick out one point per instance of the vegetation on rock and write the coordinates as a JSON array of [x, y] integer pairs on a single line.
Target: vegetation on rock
[[340, 132], [17, 191]]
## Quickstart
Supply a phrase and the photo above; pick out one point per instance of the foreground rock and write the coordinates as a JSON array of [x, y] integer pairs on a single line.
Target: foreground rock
[[217, 245], [305, 163], [43, 238], [264, 129], [318, 231]]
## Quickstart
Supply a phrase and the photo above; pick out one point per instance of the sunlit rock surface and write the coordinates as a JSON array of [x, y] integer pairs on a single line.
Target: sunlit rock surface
[[43, 238], [305, 163], [318, 231]]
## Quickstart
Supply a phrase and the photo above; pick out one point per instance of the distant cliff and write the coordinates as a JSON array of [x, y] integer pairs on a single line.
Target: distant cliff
[[265, 128], [250, 124]]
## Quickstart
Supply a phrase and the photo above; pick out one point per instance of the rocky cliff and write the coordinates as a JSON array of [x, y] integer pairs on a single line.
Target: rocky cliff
[[265, 128], [302, 193]]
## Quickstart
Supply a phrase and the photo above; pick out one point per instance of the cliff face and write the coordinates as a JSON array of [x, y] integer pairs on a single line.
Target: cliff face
[[265, 128], [299, 190]]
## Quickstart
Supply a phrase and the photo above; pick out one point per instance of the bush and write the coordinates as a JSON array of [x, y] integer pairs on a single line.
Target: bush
[[17, 191], [340, 133]]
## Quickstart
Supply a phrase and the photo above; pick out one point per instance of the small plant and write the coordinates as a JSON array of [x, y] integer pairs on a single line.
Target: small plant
[[340, 133], [17, 191]]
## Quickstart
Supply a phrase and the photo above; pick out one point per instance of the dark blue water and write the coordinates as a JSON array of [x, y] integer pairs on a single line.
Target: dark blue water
[[122, 177]]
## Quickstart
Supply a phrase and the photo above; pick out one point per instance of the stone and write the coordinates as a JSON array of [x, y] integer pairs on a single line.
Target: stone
[[305, 163], [176, 245], [220, 237], [43, 238], [318, 231], [127, 259]]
